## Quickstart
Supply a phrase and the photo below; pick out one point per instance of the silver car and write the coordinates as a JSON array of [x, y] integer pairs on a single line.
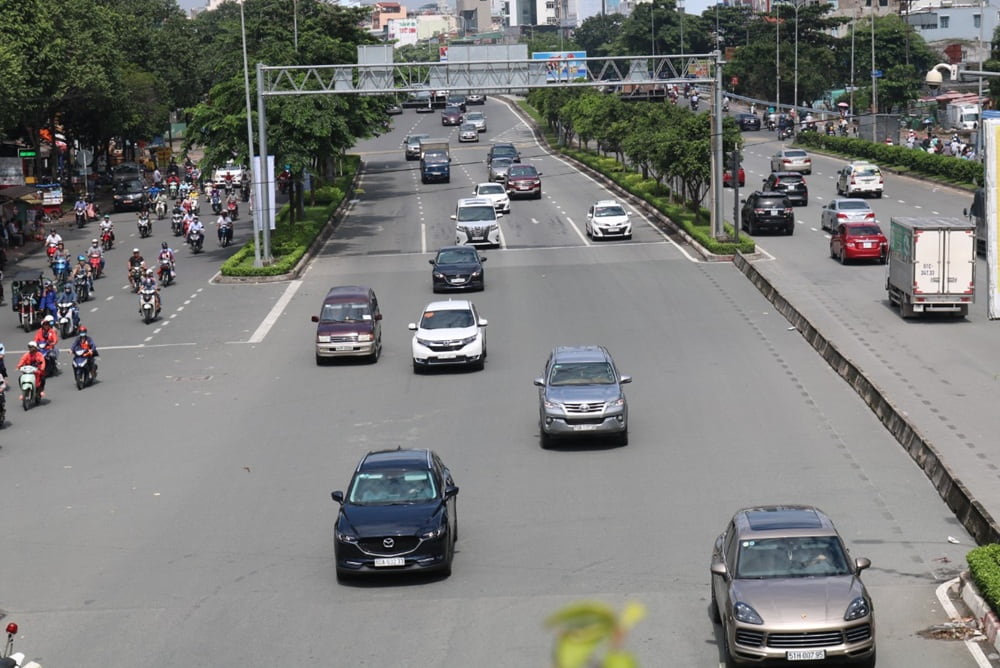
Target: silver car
[[845, 211], [412, 146], [477, 118], [468, 132], [791, 160], [498, 169], [581, 395]]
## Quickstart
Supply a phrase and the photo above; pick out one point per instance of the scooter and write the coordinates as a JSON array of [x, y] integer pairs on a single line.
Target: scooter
[[67, 317], [176, 225], [233, 208], [95, 267], [161, 209], [60, 270], [81, 284], [51, 364], [147, 305], [30, 396], [196, 240], [28, 312], [84, 369], [165, 274], [11, 659], [107, 240], [225, 234], [145, 227], [81, 217], [135, 278]]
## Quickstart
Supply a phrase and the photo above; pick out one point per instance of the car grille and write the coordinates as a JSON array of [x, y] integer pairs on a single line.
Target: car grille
[[346, 338], [401, 545], [749, 638], [800, 640], [444, 346], [858, 633], [584, 408]]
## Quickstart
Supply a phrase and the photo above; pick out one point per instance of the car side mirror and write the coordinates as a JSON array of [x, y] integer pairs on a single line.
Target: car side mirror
[[743, 201], [412, 326], [861, 563], [539, 173], [500, 214], [315, 318], [540, 382], [430, 261], [451, 492], [337, 496], [378, 316], [483, 322], [483, 259], [454, 217], [965, 212], [719, 568], [625, 379]]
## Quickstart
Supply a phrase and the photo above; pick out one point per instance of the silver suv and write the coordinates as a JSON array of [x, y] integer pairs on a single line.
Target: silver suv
[[581, 395]]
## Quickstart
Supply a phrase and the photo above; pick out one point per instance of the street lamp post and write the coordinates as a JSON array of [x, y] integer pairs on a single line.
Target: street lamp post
[[652, 29], [777, 61], [680, 15], [795, 94], [874, 80]]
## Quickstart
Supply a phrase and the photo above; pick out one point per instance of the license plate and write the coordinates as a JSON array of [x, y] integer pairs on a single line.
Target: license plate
[[457, 281], [775, 212], [586, 427], [343, 347], [805, 654], [868, 244], [392, 561]]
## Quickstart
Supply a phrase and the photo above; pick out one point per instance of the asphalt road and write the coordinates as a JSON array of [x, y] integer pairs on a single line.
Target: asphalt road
[[178, 512]]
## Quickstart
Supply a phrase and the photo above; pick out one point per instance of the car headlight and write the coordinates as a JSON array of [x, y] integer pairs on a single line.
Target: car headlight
[[322, 339], [469, 339], [494, 227], [857, 609], [366, 337], [744, 613], [346, 537], [615, 403], [553, 405], [477, 274], [424, 342], [439, 275], [432, 533]]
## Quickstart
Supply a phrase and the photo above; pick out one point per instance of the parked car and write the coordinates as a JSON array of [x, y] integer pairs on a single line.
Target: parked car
[[129, 195], [398, 514], [451, 116], [523, 180], [748, 121], [458, 268], [478, 119], [792, 184], [845, 211], [449, 333], [606, 219], [503, 150], [767, 211], [349, 324], [494, 192], [786, 589], [468, 132], [862, 178], [859, 241], [580, 394], [498, 169], [411, 146], [791, 160]]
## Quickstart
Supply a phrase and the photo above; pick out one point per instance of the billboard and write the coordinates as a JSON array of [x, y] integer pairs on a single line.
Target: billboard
[[403, 31], [563, 65], [992, 141]]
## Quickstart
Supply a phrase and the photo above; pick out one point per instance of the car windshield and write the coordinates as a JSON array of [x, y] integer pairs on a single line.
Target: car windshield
[[474, 116], [130, 186], [345, 312], [863, 230], [392, 487], [504, 150], [491, 189], [846, 205], [415, 140], [476, 213], [521, 170], [795, 557], [456, 255], [447, 319], [499, 163], [602, 211], [582, 373]]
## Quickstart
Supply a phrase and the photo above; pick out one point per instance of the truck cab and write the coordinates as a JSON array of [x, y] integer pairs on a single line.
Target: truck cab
[[435, 161]]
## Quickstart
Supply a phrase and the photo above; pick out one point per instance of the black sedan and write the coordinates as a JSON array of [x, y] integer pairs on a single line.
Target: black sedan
[[130, 195], [398, 514], [748, 121], [792, 184], [458, 268]]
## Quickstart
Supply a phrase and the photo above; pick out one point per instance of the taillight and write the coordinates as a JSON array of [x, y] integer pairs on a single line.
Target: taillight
[[841, 215], [870, 215]]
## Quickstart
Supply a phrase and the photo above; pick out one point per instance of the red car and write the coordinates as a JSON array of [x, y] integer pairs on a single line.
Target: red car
[[523, 180], [859, 241], [727, 178]]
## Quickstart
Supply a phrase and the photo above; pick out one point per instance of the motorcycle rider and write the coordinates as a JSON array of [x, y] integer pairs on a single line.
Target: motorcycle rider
[[142, 217], [216, 198], [196, 226], [95, 250], [160, 203], [167, 254], [47, 334], [52, 242], [47, 302], [3, 369], [84, 346], [80, 208], [149, 283], [108, 226], [82, 268], [135, 260], [35, 358], [68, 296], [225, 225]]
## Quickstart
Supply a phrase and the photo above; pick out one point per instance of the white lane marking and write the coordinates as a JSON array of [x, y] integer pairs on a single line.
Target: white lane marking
[[949, 609], [180, 308], [503, 239], [583, 237], [534, 221], [272, 317], [109, 298], [423, 237], [148, 339]]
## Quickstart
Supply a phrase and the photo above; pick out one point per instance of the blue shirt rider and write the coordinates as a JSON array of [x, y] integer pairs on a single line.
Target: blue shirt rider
[[84, 346], [47, 303], [68, 296]]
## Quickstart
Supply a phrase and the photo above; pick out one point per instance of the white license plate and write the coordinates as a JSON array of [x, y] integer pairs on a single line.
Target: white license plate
[[393, 561], [586, 427], [457, 281], [868, 244], [775, 212], [447, 356], [805, 654], [343, 347]]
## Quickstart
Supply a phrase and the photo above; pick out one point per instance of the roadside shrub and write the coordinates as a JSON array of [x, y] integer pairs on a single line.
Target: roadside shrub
[[984, 567]]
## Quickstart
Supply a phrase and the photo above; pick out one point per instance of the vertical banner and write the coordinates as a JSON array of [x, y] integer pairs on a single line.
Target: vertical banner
[[992, 164], [272, 200], [258, 193]]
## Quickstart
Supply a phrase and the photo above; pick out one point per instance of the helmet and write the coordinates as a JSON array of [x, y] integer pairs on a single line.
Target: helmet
[[135, 250], [81, 258], [67, 287], [93, 241], [48, 320], [107, 217], [163, 245], [48, 284], [149, 272], [83, 329], [32, 345]]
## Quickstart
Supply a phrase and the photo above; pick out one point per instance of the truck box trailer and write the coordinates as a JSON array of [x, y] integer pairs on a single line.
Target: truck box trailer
[[932, 265]]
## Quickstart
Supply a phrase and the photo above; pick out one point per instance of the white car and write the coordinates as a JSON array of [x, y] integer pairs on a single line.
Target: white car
[[494, 192], [468, 132], [477, 118], [845, 211], [860, 178], [449, 333], [608, 218]]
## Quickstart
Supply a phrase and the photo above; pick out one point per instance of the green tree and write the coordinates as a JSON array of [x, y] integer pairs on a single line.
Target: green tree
[[597, 34]]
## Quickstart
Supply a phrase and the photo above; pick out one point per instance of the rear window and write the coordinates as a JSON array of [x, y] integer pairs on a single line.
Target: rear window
[[795, 154], [866, 171], [772, 203], [863, 230], [854, 206]]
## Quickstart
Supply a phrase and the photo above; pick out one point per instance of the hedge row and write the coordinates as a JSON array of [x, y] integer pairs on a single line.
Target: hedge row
[[943, 167], [984, 567]]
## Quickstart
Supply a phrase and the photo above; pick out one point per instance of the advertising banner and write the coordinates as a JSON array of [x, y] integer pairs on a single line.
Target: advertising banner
[[992, 162], [563, 65]]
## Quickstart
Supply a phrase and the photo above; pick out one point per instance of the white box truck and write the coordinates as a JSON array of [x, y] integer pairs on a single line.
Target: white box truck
[[932, 265], [963, 116]]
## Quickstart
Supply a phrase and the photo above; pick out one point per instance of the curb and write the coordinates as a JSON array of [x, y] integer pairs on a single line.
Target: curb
[[988, 621], [317, 243]]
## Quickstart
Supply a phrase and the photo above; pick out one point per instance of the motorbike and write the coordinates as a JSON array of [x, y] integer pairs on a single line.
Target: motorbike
[[176, 225], [51, 364], [233, 208], [11, 659], [145, 227], [30, 396], [135, 277], [95, 267], [165, 274], [3, 405], [196, 240], [161, 209], [173, 190], [694, 104], [28, 313], [81, 217], [81, 284], [84, 368], [93, 210], [60, 270], [50, 250], [67, 318], [107, 240], [786, 133], [225, 234], [725, 106], [147, 305], [216, 205]]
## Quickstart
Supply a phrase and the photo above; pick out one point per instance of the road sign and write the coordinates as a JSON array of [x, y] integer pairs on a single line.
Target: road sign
[[877, 74]]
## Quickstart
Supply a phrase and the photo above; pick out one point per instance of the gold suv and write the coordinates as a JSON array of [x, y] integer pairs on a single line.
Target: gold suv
[[785, 588]]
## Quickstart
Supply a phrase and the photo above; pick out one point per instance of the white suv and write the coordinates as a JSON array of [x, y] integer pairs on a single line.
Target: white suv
[[476, 222], [860, 178], [449, 333], [608, 218], [494, 192]]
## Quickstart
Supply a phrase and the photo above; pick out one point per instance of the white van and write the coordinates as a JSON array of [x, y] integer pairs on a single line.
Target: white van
[[476, 222]]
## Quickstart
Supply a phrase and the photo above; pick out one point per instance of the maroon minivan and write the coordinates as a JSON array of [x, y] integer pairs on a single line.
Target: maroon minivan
[[349, 325]]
